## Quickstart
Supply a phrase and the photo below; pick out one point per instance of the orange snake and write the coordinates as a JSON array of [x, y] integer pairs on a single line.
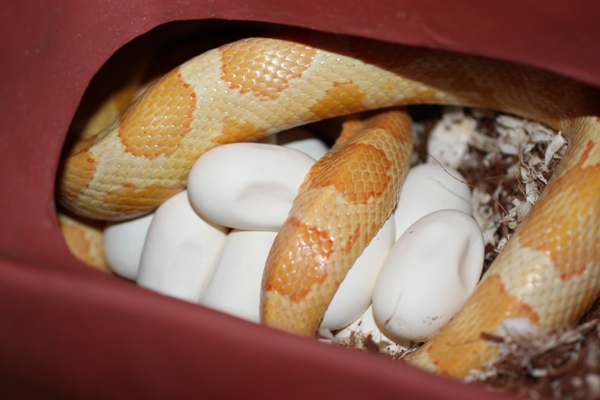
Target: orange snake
[[549, 271]]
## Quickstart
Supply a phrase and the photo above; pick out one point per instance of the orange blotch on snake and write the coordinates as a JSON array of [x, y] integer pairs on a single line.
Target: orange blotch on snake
[[236, 131], [80, 247], [360, 173], [586, 153], [341, 99], [300, 253], [78, 170], [84, 243], [129, 198], [160, 120], [457, 347], [563, 235], [351, 240], [264, 67], [392, 121]]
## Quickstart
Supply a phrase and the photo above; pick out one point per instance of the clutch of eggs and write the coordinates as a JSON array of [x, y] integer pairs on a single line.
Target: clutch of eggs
[[209, 244]]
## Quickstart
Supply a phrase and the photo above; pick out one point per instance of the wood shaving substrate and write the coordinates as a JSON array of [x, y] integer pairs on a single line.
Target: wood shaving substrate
[[507, 161]]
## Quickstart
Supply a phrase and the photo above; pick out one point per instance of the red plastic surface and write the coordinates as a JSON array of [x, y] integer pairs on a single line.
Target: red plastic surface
[[67, 331]]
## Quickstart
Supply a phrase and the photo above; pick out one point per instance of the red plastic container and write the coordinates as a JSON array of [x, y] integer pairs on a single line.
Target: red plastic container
[[68, 331]]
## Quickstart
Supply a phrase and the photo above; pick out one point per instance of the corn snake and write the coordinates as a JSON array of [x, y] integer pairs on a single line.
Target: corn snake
[[257, 86]]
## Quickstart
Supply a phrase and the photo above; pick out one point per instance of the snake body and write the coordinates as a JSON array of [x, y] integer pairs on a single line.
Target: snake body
[[550, 270]]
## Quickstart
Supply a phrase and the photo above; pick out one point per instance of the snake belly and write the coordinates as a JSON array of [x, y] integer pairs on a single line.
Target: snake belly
[[549, 272]]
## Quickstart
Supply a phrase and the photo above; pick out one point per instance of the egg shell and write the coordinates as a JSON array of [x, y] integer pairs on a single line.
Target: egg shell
[[180, 250], [303, 140], [123, 244], [429, 188], [247, 186], [353, 296], [428, 275], [365, 326], [235, 284]]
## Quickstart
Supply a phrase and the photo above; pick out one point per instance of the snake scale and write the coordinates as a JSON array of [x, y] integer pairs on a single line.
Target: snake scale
[[549, 272]]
